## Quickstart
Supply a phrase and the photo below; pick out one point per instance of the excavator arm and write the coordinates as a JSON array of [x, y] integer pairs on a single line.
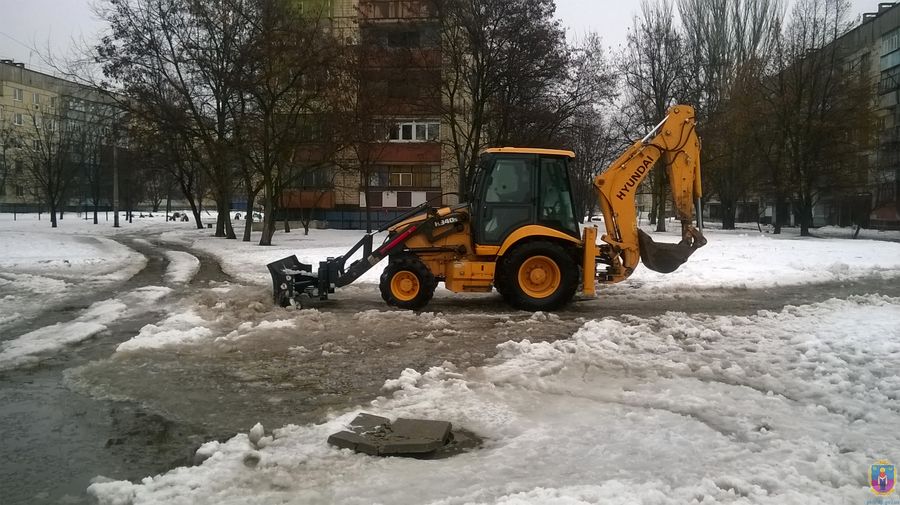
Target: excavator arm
[[675, 145]]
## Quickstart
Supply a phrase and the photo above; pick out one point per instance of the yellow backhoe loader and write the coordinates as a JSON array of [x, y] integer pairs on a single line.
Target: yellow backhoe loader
[[519, 233]]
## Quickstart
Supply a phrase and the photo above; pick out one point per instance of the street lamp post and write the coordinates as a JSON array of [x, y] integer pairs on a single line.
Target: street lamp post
[[115, 167]]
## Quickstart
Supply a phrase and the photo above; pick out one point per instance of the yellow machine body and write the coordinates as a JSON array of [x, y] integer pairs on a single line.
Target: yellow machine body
[[519, 233]]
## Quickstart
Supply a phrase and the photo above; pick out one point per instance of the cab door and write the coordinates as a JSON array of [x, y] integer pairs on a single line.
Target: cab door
[[507, 198]]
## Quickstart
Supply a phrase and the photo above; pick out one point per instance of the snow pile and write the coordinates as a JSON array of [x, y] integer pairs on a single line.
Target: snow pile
[[752, 260], [67, 256], [32, 346], [742, 259], [775, 408], [182, 267], [49, 267], [26, 348], [731, 259], [249, 329], [182, 328]]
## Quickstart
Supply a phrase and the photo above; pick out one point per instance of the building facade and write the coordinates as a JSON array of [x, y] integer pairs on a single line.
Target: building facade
[[873, 48], [398, 161], [52, 132]]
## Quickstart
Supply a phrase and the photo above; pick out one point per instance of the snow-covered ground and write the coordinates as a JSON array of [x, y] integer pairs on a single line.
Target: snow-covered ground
[[742, 258], [784, 407], [781, 408], [39, 267]]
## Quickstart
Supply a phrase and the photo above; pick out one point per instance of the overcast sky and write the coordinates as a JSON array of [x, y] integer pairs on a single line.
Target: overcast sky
[[28, 26]]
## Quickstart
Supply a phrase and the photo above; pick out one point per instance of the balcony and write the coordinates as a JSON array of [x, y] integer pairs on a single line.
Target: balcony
[[308, 199], [403, 152], [394, 10]]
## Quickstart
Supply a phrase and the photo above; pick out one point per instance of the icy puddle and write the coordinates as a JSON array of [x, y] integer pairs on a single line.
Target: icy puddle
[[777, 407]]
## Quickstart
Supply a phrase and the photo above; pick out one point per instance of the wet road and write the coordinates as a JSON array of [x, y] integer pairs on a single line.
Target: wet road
[[92, 412], [55, 440]]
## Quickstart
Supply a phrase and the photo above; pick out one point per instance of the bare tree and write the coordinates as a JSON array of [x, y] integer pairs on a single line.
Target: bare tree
[[177, 59], [820, 117], [47, 143], [284, 97], [8, 142], [727, 43], [385, 77], [653, 68], [495, 54], [583, 106]]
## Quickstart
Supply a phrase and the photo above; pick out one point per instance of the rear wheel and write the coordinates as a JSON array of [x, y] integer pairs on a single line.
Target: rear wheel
[[538, 276], [407, 283]]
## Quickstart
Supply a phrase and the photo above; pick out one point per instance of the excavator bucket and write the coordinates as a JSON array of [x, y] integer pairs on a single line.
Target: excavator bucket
[[286, 275], [665, 258]]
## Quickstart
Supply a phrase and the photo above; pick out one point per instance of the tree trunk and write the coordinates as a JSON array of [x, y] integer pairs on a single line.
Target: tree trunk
[[660, 201], [248, 219], [52, 216], [223, 219], [268, 228], [287, 224], [779, 212], [805, 219], [365, 185], [728, 209]]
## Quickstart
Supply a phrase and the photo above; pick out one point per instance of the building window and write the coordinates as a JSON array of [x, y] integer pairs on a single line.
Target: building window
[[316, 178], [408, 39], [19, 120], [20, 191], [36, 144], [416, 176], [35, 98], [401, 178], [18, 94], [890, 42], [416, 131]]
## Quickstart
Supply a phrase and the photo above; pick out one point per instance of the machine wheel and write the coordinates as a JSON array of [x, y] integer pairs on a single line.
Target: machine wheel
[[539, 276], [407, 283], [501, 281]]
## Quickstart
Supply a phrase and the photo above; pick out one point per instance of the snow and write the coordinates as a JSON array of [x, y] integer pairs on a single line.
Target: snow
[[40, 266], [182, 267], [732, 259], [785, 407], [177, 329], [24, 349], [740, 259], [32, 346]]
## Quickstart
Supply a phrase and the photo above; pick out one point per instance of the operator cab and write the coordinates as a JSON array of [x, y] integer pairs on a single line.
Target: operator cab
[[516, 187]]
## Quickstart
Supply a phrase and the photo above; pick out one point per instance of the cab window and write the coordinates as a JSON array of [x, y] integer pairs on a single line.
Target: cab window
[[556, 209]]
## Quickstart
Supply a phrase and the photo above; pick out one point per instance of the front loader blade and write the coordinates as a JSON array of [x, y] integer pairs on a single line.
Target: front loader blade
[[287, 275], [662, 257]]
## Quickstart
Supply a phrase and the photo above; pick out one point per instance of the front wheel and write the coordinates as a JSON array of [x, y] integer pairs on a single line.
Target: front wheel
[[407, 283], [539, 276]]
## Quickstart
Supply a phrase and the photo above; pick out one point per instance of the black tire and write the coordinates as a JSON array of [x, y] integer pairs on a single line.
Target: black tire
[[420, 290], [500, 281], [544, 254]]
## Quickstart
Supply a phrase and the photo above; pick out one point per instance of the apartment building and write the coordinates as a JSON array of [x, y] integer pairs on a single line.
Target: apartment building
[[401, 163], [25, 98], [40, 112], [873, 48]]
